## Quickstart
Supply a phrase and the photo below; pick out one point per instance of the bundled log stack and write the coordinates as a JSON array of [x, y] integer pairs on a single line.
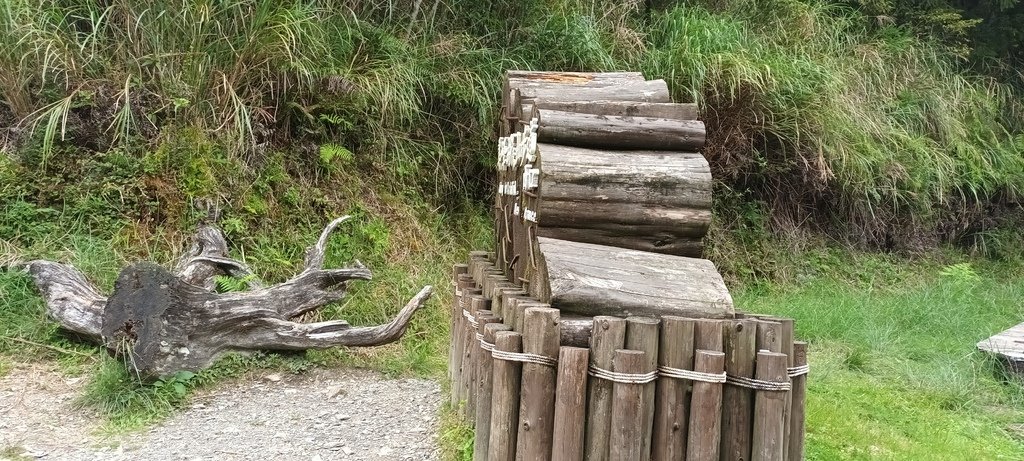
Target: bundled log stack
[[595, 331], [601, 158]]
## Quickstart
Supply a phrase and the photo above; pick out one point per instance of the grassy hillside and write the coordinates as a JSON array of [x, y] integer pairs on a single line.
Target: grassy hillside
[[122, 123]]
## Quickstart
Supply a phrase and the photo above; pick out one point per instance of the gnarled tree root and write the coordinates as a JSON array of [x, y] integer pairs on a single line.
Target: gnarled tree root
[[163, 322]]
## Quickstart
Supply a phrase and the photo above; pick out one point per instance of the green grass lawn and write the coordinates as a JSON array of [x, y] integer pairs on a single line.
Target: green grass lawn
[[894, 369]]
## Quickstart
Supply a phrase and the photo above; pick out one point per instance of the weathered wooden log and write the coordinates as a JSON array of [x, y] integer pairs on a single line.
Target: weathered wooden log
[[585, 86], [671, 415], [642, 335], [609, 335], [169, 322], [570, 404], [654, 201], [769, 420], [505, 399], [589, 279], [670, 179], [738, 402], [705, 409], [485, 394], [664, 110], [799, 396], [537, 407], [626, 439], [619, 132]]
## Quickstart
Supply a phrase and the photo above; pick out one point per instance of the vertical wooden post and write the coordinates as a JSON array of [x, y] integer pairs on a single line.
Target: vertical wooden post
[[570, 404], [769, 336], [609, 334], [708, 334], [492, 283], [462, 287], [642, 335], [471, 300], [505, 399], [500, 302], [485, 392], [483, 317], [738, 402], [705, 409], [537, 406], [768, 405], [787, 348], [456, 317], [626, 439], [671, 414], [799, 394]]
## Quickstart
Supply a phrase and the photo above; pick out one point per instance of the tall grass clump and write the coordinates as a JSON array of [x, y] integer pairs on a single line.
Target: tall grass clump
[[255, 75], [834, 122]]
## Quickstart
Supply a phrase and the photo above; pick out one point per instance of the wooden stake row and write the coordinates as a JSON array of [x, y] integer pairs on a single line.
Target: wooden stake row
[[534, 399]]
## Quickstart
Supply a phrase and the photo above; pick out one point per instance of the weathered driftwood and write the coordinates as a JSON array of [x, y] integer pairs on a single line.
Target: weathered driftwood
[[590, 279], [643, 200], [163, 322], [619, 132]]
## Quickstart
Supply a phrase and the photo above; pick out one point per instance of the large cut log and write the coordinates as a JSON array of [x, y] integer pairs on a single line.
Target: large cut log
[[666, 110], [584, 86], [619, 132], [162, 322], [590, 279], [643, 200]]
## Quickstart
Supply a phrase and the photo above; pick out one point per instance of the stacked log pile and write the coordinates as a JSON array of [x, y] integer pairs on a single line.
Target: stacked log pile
[[595, 330]]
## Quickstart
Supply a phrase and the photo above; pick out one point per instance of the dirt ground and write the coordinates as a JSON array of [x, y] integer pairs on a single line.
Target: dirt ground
[[337, 414]]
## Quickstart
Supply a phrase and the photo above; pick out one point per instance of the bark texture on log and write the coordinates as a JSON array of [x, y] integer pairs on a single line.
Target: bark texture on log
[[589, 279], [71, 300], [619, 132], [643, 200], [586, 86], [667, 110], [164, 322]]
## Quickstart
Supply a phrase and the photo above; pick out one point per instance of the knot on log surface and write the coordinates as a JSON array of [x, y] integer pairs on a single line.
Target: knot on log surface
[[162, 322]]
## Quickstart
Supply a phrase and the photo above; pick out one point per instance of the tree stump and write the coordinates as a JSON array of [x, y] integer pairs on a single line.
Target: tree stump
[[162, 322]]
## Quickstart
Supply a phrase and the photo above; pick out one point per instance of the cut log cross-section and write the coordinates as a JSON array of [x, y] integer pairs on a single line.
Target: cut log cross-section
[[164, 322]]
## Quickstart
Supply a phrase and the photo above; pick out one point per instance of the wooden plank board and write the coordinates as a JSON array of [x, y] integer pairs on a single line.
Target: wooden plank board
[[1009, 344]]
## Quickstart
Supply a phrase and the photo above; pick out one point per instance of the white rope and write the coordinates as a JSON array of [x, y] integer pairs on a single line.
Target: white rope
[[798, 371], [489, 347], [524, 357], [680, 373], [469, 318], [624, 378], [759, 384]]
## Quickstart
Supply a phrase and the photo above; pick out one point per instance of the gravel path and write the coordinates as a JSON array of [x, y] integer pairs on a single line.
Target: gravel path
[[319, 416]]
